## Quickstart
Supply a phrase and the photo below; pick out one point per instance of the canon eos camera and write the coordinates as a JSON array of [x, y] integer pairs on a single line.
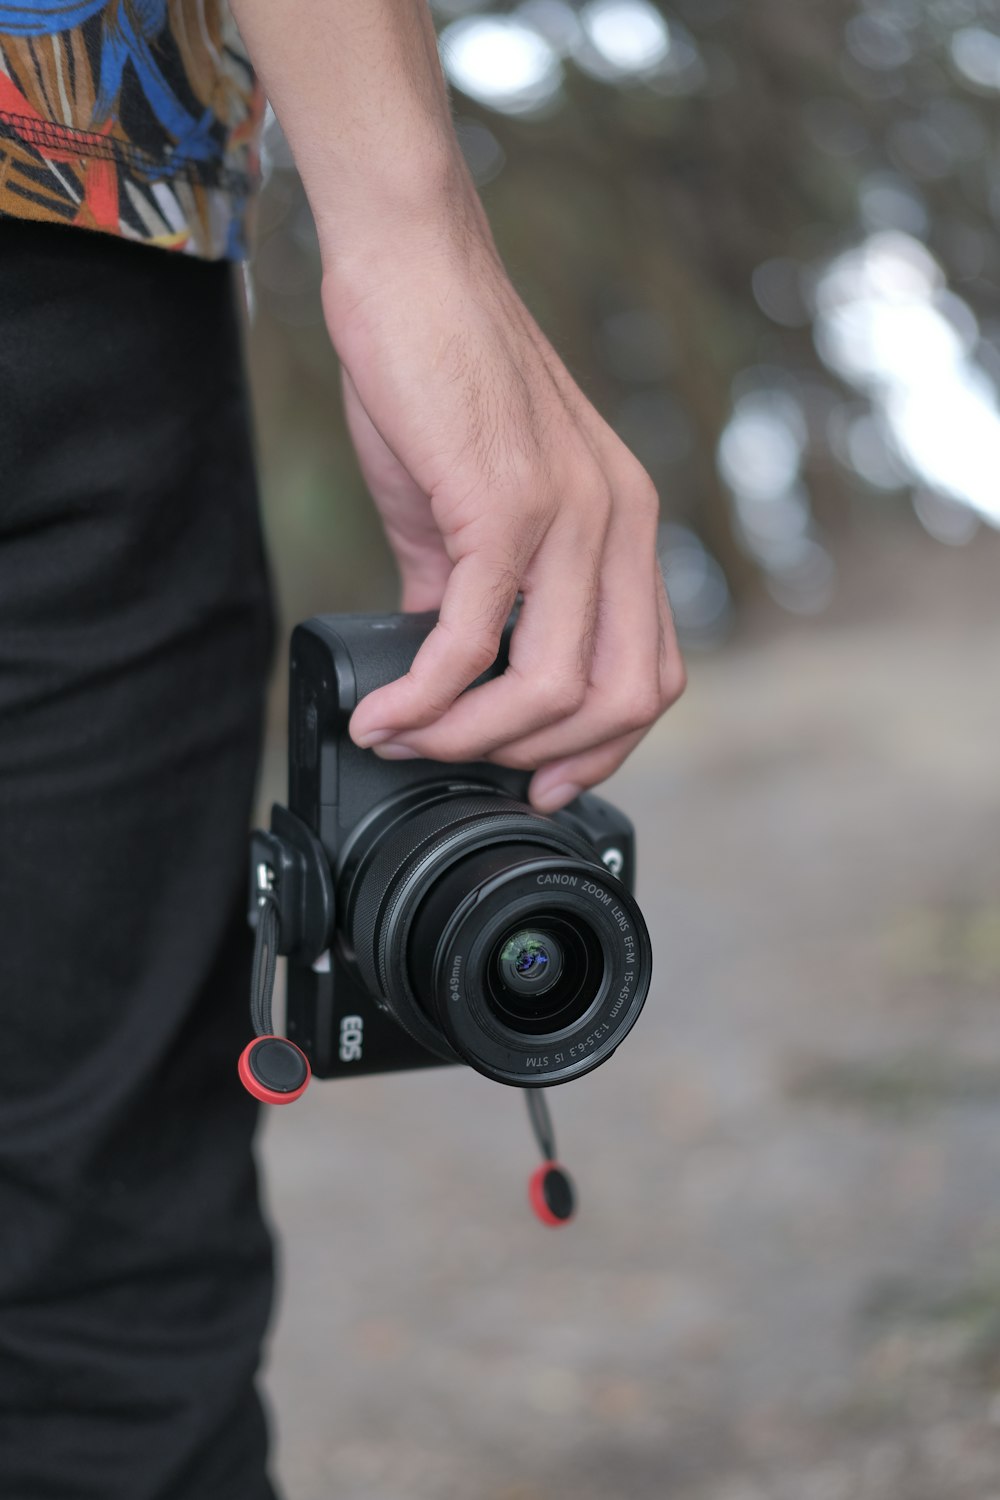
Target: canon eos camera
[[429, 915]]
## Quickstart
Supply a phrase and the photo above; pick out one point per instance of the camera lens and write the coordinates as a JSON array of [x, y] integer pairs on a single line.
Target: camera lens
[[494, 935], [530, 962]]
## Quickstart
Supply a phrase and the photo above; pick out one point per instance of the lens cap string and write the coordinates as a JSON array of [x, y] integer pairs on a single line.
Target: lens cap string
[[541, 1122], [265, 963], [550, 1190], [271, 1068]]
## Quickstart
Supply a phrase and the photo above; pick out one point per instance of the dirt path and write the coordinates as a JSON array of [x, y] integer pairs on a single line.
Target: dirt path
[[784, 1283]]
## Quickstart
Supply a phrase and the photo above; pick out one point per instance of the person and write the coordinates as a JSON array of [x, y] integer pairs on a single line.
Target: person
[[135, 635]]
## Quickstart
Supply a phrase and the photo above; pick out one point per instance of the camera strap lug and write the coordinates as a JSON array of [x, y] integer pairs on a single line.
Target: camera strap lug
[[288, 865]]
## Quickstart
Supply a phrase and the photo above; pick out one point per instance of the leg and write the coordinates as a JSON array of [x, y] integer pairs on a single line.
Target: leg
[[135, 1269]]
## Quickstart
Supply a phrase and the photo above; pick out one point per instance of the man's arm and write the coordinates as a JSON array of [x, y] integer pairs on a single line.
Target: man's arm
[[493, 473]]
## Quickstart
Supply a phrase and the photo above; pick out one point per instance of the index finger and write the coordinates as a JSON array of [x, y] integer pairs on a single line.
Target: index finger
[[478, 599]]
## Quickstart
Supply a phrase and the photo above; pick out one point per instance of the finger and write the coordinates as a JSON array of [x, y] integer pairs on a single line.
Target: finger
[[609, 712], [555, 785], [424, 568], [477, 602], [636, 670], [547, 677], [423, 582]]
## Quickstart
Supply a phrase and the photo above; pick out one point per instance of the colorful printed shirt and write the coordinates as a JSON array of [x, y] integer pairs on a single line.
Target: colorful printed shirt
[[136, 117]]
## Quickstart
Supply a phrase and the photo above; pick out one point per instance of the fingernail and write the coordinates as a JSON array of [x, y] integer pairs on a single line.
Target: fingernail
[[551, 798], [396, 752], [373, 737]]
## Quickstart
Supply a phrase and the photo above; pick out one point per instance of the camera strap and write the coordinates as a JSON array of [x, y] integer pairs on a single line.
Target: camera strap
[[265, 962], [271, 1068]]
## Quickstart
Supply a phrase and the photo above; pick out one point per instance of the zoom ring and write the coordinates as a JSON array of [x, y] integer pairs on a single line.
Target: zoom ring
[[411, 838]]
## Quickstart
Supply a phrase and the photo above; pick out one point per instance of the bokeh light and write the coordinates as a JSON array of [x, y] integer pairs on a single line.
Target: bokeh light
[[761, 448], [502, 62], [976, 54], [887, 324], [631, 35]]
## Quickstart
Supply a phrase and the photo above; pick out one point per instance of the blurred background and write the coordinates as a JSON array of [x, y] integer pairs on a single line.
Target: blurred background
[[766, 239]]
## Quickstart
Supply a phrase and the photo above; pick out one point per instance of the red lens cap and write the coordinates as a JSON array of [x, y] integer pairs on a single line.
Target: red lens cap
[[551, 1194], [274, 1070]]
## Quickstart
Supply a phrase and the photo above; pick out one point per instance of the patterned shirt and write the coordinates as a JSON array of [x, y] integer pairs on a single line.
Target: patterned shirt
[[136, 117]]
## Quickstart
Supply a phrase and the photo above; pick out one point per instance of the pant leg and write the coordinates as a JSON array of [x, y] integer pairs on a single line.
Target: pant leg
[[135, 1268]]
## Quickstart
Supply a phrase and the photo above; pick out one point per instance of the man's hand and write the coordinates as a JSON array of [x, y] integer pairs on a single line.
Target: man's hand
[[494, 475]]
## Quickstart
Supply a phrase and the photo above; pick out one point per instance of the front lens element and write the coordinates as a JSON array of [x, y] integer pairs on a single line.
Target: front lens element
[[544, 978], [530, 962]]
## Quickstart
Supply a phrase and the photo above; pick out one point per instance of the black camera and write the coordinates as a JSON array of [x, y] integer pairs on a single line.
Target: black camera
[[429, 914]]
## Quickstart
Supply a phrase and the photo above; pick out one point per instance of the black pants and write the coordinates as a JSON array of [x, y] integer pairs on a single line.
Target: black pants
[[135, 1269]]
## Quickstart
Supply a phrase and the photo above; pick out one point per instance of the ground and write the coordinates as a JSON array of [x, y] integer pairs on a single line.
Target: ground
[[784, 1280]]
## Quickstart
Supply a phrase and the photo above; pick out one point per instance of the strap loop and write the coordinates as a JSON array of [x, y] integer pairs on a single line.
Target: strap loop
[[265, 962], [541, 1122]]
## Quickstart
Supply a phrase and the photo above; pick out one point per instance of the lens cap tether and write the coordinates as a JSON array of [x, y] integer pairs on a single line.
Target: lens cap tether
[[272, 1068], [550, 1189]]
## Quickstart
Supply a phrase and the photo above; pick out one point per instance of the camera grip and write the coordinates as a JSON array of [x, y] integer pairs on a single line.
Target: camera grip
[[381, 648]]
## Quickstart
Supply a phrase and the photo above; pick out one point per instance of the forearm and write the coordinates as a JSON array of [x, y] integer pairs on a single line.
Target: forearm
[[359, 92], [493, 473]]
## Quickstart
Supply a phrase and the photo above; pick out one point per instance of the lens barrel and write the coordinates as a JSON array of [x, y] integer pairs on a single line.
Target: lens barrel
[[494, 933]]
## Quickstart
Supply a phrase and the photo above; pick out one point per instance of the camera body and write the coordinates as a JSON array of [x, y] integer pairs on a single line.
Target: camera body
[[440, 918]]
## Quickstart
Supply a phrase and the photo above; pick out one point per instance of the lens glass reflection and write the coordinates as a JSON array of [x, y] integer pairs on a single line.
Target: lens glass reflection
[[531, 962], [544, 977]]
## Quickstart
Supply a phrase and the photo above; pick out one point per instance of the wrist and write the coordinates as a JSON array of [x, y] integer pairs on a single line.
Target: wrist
[[393, 207], [409, 242]]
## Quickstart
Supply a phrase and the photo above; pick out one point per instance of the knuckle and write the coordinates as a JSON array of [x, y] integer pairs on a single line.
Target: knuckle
[[634, 480], [647, 501], [434, 706], [583, 481], [430, 699], [472, 647], [675, 680], [645, 490], [642, 707], [562, 695], [514, 757], [479, 653]]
